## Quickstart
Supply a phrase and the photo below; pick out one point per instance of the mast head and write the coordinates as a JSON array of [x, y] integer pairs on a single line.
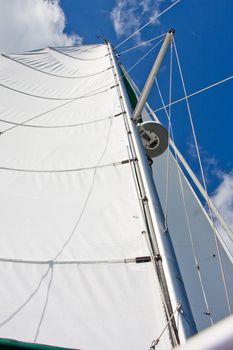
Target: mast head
[[172, 31]]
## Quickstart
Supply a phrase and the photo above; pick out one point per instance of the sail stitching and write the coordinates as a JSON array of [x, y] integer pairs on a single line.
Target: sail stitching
[[52, 74], [76, 58]]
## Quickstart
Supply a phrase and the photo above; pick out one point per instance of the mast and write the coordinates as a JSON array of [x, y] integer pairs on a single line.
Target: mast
[[164, 256], [150, 80]]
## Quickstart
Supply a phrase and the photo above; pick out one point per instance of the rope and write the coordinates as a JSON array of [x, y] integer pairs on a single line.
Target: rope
[[57, 126], [92, 93], [196, 92], [51, 74], [70, 236], [144, 56], [142, 44], [38, 116], [70, 262], [204, 182], [154, 18], [185, 210], [156, 341], [76, 58], [46, 171]]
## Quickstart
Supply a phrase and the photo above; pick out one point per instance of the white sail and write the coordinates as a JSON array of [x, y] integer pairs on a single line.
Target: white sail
[[71, 219], [185, 212]]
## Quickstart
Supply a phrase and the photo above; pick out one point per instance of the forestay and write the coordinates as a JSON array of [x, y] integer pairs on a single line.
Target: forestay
[[71, 221]]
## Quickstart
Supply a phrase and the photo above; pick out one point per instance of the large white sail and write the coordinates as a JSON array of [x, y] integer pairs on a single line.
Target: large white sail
[[71, 220], [75, 256]]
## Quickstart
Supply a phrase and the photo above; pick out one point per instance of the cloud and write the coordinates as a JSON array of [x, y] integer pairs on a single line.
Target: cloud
[[223, 197], [130, 15], [32, 24]]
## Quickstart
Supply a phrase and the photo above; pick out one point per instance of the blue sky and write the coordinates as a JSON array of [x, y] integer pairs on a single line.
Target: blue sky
[[203, 37]]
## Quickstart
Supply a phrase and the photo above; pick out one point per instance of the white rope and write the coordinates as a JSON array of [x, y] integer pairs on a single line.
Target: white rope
[[156, 341], [144, 56], [88, 196], [185, 210], [204, 182], [196, 92], [154, 18], [142, 44], [70, 262], [70, 170]]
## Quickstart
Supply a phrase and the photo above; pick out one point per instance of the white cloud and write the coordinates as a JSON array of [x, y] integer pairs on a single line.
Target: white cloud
[[130, 15], [223, 197], [32, 24]]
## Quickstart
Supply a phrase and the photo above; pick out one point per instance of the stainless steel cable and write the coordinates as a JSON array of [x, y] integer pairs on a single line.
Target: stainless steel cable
[[204, 183], [153, 19]]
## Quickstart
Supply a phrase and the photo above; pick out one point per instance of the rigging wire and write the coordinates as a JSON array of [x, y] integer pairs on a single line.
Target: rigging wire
[[186, 216], [151, 113], [168, 114], [169, 136], [143, 57], [156, 341], [142, 44], [204, 182], [154, 18], [195, 93]]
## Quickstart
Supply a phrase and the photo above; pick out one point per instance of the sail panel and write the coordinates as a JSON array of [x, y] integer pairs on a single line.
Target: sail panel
[[81, 306], [206, 262], [71, 216]]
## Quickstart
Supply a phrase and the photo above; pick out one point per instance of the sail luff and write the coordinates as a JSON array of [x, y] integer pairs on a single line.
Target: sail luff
[[170, 266]]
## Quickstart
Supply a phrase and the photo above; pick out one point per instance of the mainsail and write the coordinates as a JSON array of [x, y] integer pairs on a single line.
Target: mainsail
[[77, 269]]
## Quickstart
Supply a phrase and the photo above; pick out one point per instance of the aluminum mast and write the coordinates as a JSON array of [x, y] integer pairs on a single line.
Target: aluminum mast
[[172, 286]]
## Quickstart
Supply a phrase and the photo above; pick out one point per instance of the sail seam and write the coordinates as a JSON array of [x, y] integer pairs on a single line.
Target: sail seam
[[76, 58], [51, 74]]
